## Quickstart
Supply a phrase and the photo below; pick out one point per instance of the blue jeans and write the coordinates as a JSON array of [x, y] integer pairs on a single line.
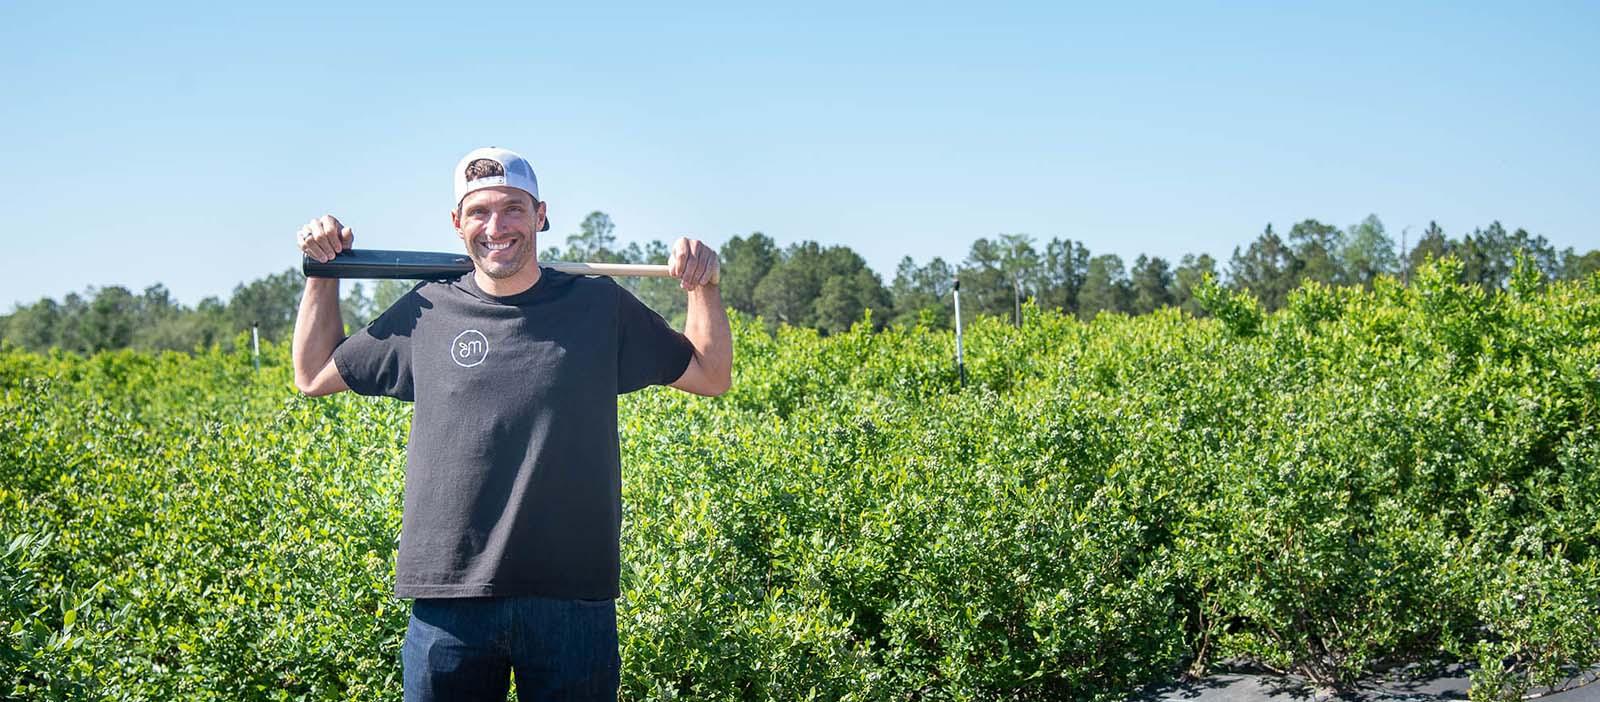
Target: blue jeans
[[465, 649]]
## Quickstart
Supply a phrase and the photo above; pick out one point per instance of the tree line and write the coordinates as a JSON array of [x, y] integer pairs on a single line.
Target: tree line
[[829, 288]]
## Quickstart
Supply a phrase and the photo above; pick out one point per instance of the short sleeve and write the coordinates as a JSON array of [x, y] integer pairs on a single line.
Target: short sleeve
[[649, 351], [377, 359]]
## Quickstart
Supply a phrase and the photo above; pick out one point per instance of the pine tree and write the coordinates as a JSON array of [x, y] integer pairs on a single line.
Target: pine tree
[[1152, 283], [1368, 253], [1105, 288], [1268, 269], [1317, 247], [1192, 271]]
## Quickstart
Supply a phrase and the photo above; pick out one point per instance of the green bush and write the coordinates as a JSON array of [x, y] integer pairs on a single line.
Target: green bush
[[1358, 480]]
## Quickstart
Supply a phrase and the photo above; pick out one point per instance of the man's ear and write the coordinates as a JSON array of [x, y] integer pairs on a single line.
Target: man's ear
[[455, 220]]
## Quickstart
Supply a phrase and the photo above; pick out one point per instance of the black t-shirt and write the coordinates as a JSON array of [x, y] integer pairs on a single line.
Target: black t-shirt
[[513, 480]]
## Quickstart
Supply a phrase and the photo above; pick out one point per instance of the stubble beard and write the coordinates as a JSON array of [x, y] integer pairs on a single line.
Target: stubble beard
[[502, 269]]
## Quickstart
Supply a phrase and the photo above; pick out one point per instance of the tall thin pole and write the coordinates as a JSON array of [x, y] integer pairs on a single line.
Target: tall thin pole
[[961, 367], [1016, 295], [255, 342], [1405, 258]]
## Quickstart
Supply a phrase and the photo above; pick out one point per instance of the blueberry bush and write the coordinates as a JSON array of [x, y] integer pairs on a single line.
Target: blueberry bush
[[1359, 480]]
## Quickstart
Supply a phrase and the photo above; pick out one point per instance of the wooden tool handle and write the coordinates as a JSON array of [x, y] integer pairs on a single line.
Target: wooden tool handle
[[643, 270]]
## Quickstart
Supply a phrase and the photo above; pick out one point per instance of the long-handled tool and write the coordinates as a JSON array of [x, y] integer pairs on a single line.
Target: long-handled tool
[[429, 265]]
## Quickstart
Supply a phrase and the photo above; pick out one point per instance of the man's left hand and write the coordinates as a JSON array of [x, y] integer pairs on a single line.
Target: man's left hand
[[694, 264]]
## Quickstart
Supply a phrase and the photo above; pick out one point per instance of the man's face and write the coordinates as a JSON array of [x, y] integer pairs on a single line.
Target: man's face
[[497, 225]]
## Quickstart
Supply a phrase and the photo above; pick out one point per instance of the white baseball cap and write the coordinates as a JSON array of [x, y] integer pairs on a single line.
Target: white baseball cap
[[517, 174]]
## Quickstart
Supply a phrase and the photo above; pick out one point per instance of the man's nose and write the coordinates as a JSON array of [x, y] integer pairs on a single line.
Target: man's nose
[[497, 225]]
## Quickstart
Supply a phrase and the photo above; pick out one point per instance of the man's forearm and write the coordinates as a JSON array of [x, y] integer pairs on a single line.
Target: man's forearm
[[706, 326], [318, 328]]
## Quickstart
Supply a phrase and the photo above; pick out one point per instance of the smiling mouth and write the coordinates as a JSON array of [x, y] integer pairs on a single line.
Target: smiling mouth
[[490, 247]]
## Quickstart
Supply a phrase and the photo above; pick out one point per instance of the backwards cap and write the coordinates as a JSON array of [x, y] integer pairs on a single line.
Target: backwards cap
[[518, 174]]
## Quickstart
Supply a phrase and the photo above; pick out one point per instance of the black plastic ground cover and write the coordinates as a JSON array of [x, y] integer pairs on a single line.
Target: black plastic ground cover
[[1449, 683]]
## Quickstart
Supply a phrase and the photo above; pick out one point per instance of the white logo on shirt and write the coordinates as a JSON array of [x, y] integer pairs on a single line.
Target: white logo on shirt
[[469, 349]]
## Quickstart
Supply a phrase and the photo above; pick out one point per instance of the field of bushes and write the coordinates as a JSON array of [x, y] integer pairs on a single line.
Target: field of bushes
[[1361, 480]]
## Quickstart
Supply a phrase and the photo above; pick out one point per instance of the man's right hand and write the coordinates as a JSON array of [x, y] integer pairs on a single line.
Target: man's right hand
[[323, 237], [318, 327]]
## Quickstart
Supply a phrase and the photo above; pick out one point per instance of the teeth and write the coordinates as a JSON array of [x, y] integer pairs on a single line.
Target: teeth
[[497, 247]]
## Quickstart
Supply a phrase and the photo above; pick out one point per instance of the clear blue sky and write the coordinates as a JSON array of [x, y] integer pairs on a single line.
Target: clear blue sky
[[184, 143]]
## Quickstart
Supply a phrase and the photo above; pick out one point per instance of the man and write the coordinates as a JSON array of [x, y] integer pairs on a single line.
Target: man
[[509, 541]]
